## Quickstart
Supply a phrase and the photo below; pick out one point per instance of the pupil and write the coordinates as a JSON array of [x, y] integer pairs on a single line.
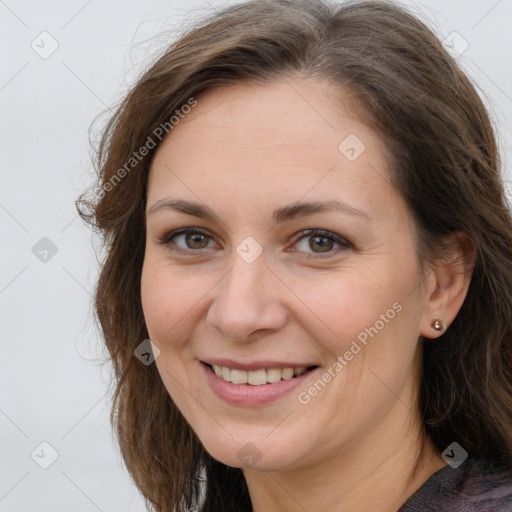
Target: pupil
[[196, 238], [323, 245]]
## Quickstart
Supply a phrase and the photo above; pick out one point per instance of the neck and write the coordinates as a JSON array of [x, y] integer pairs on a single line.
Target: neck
[[376, 474]]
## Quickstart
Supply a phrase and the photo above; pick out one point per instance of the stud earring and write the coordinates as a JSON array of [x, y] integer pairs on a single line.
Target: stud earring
[[437, 325]]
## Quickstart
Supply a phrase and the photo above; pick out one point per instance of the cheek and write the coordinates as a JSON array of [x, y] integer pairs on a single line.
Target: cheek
[[169, 302], [341, 308], [169, 307], [370, 318]]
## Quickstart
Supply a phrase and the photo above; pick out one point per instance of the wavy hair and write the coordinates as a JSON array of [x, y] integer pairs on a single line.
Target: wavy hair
[[443, 159]]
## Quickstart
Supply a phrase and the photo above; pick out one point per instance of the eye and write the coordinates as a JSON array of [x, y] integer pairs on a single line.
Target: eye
[[187, 239], [320, 241]]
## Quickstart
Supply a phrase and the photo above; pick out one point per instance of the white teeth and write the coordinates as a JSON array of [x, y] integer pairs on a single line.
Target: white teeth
[[287, 373], [239, 377], [257, 377], [273, 375]]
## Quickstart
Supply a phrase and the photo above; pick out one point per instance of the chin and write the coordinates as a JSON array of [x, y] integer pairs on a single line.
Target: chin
[[260, 453]]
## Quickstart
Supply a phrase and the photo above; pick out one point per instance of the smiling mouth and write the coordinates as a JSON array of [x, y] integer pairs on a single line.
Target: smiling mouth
[[258, 377]]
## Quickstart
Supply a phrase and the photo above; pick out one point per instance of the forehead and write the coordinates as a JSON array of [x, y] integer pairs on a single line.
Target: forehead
[[291, 137], [294, 112]]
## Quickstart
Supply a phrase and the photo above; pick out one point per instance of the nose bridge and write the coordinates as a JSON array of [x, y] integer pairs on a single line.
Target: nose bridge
[[245, 300], [245, 280]]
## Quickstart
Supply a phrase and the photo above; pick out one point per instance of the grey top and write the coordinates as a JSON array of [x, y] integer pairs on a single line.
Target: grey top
[[475, 486]]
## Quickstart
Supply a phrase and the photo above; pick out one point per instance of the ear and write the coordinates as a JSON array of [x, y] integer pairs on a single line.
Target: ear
[[448, 283]]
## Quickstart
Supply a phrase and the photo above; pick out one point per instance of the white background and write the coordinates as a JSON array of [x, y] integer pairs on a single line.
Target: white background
[[52, 383]]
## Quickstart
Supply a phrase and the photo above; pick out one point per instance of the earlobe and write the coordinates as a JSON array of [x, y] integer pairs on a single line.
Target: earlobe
[[451, 279], [438, 325]]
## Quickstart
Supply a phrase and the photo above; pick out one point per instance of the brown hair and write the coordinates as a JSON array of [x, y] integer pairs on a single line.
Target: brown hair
[[444, 162]]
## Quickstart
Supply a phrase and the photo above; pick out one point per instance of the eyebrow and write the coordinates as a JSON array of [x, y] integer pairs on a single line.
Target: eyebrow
[[282, 214]]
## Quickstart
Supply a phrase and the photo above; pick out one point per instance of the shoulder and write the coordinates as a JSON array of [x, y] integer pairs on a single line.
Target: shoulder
[[475, 486]]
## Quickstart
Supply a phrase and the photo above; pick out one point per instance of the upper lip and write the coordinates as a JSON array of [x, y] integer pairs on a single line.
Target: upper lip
[[255, 365]]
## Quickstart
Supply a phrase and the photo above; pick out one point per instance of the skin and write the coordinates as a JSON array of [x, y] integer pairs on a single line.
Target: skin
[[244, 151]]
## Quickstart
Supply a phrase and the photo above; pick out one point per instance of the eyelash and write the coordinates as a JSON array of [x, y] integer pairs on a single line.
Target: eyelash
[[345, 244]]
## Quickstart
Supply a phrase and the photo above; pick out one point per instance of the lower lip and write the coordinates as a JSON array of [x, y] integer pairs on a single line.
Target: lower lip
[[249, 395]]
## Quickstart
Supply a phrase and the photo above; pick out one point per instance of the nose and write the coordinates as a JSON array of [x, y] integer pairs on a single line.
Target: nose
[[247, 301]]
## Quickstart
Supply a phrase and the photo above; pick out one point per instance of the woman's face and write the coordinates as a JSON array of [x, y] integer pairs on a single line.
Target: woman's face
[[253, 169]]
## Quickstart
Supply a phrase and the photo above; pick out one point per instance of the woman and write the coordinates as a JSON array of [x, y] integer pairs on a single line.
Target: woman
[[304, 213]]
